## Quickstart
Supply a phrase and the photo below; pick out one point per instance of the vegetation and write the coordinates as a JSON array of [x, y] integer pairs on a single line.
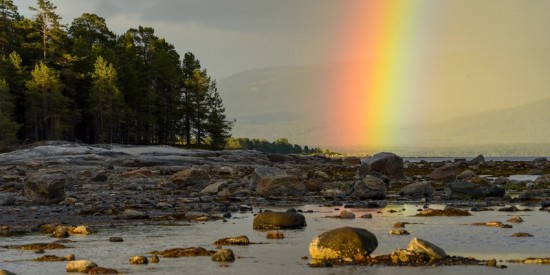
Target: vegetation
[[84, 83], [280, 146]]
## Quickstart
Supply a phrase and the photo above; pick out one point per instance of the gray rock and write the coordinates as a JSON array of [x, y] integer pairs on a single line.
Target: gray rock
[[278, 220], [7, 200], [346, 215], [223, 255], [465, 175], [445, 173], [387, 164], [45, 187], [192, 177], [369, 188], [422, 246], [131, 214], [270, 181], [264, 172], [213, 188], [343, 244], [477, 160], [463, 190], [535, 194], [417, 190]]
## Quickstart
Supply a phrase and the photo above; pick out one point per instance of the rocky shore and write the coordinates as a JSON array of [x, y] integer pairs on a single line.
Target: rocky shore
[[64, 185]]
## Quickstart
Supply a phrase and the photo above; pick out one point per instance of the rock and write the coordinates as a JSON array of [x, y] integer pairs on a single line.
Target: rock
[[193, 177], [398, 232], [138, 260], [399, 256], [535, 172], [184, 252], [351, 161], [6, 272], [264, 172], [387, 164], [143, 173], [102, 270], [466, 175], [213, 188], [61, 232], [522, 235], [69, 257], [445, 212], [38, 246], [116, 239], [278, 220], [538, 194], [81, 230], [445, 173], [366, 216], [333, 193], [463, 190], [131, 214], [81, 266], [223, 255], [240, 240], [515, 219], [417, 190], [46, 187], [477, 160], [154, 259], [280, 186], [7, 200], [275, 235], [50, 258], [370, 187], [512, 208], [343, 244], [422, 246], [346, 215], [399, 224], [543, 181], [314, 185]]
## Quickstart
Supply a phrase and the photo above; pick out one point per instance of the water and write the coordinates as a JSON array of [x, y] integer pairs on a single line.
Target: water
[[453, 234]]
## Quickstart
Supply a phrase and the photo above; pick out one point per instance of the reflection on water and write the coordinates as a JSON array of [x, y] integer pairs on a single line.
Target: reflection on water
[[453, 234]]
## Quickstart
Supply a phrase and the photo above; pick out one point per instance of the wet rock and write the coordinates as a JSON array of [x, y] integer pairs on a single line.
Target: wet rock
[[387, 164], [132, 214], [194, 177], [515, 219], [184, 252], [346, 215], [400, 224], [366, 216], [343, 244], [6, 272], [81, 230], [69, 257], [492, 224], [445, 173], [445, 212], [404, 256], [508, 209], [102, 270], [223, 255], [398, 232], [37, 246], [154, 259], [370, 187], [240, 240], [46, 187], [61, 232], [417, 190], [422, 246], [522, 235], [278, 220], [275, 235], [138, 260], [532, 261], [81, 266], [116, 239]]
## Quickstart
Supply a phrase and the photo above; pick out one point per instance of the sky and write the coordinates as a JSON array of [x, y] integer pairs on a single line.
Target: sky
[[406, 61]]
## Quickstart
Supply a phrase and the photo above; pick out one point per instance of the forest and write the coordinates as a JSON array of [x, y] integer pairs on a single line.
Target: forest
[[82, 82]]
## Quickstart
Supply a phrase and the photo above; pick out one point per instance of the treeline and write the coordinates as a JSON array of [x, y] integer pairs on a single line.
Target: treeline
[[280, 146], [82, 82]]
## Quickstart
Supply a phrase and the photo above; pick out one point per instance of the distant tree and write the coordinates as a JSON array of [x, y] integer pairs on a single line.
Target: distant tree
[[218, 127], [8, 127], [8, 18], [189, 65]]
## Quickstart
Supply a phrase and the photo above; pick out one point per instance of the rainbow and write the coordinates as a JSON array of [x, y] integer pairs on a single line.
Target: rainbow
[[384, 44]]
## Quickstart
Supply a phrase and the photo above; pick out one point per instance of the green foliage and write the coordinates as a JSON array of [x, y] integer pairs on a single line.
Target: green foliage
[[279, 146], [86, 83]]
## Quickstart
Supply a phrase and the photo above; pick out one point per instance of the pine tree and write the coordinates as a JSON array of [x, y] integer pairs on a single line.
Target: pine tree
[[8, 127], [49, 29], [218, 127], [8, 17]]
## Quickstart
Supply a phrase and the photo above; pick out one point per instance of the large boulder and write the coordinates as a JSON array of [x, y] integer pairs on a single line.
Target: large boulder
[[388, 164], [278, 220], [343, 244], [370, 187], [193, 177], [463, 190], [46, 187], [422, 246], [81, 266], [445, 173], [417, 190], [270, 181]]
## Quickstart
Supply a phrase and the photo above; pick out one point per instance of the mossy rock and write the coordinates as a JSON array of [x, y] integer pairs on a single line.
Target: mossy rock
[[343, 244], [278, 220]]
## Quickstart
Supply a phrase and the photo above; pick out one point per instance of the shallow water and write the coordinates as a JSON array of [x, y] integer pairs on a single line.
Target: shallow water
[[453, 234]]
